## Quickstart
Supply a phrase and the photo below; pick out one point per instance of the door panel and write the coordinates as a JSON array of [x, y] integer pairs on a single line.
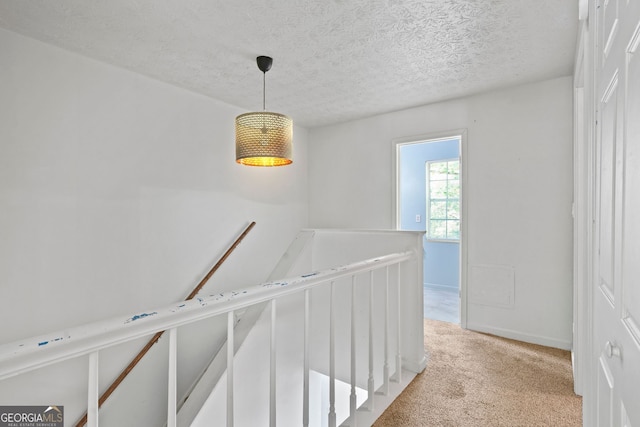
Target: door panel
[[625, 418], [610, 18], [608, 120], [616, 297], [605, 395], [630, 233], [631, 225]]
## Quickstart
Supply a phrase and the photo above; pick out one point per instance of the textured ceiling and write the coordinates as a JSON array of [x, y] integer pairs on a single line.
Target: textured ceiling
[[334, 60]]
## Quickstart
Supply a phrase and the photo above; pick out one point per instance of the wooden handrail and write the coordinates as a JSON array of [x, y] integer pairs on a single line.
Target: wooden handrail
[[156, 337]]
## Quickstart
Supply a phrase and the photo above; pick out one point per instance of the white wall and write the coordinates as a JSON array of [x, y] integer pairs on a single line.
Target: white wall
[[519, 195], [119, 192]]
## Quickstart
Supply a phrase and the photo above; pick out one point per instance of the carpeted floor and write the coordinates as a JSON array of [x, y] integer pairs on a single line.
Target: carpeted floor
[[474, 379]]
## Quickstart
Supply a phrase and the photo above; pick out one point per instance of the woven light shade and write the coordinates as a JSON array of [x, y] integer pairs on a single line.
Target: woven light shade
[[264, 139]]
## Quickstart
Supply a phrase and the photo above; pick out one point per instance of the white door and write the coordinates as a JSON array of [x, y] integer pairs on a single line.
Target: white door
[[616, 299]]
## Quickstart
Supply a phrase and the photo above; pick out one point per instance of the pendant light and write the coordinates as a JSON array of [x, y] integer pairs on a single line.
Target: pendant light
[[264, 138]]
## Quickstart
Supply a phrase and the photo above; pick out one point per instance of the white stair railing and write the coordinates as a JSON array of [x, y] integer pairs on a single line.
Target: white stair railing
[[34, 353]]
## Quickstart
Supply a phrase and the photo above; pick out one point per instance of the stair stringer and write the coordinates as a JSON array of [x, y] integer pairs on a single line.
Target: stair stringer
[[296, 257]]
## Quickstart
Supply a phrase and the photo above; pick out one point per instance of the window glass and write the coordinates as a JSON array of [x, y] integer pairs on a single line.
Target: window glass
[[443, 200]]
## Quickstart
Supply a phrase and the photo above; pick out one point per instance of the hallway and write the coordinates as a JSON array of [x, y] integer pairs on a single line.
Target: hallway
[[475, 379], [442, 303]]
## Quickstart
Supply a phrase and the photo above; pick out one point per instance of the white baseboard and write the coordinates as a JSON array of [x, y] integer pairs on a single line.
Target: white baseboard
[[415, 366], [520, 336]]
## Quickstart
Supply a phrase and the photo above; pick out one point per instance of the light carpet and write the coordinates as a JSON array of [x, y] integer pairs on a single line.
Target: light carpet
[[475, 379]]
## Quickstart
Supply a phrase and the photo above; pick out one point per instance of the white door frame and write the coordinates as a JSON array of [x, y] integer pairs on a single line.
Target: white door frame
[[395, 202], [581, 223], [584, 369]]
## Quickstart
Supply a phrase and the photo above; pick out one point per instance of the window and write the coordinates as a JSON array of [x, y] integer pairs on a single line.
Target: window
[[443, 200]]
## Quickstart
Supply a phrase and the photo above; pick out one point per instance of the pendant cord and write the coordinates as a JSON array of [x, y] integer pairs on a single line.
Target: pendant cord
[[264, 90]]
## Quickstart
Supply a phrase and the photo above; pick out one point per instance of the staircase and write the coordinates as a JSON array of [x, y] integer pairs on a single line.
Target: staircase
[[341, 342]]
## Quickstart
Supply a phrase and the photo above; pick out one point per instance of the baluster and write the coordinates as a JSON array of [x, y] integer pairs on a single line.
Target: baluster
[[398, 334], [305, 397], [272, 379], [93, 391], [173, 370], [332, 360], [370, 383], [353, 397], [385, 368], [230, 352]]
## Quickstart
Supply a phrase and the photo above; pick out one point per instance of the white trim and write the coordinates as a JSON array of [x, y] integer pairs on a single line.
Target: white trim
[[580, 232], [395, 202], [395, 159], [581, 227], [520, 336], [464, 233], [589, 37]]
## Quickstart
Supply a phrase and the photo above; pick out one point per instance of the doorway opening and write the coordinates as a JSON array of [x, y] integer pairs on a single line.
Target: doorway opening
[[429, 198]]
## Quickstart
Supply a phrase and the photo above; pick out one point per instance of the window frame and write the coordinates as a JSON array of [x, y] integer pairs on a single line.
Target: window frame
[[429, 198]]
